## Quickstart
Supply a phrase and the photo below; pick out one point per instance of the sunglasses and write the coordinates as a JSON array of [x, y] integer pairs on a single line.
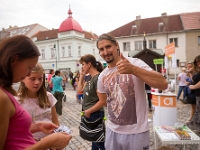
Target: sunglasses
[[190, 62]]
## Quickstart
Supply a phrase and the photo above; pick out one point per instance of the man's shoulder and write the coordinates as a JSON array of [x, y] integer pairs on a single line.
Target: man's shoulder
[[105, 71]]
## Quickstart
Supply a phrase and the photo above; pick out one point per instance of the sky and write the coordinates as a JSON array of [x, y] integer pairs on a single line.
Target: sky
[[97, 16]]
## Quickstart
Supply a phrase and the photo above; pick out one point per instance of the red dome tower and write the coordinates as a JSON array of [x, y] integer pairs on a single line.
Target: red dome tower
[[70, 24]]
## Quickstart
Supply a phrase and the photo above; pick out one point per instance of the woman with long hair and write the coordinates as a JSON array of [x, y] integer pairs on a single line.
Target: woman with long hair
[[194, 124], [91, 105], [190, 97], [36, 100], [18, 55]]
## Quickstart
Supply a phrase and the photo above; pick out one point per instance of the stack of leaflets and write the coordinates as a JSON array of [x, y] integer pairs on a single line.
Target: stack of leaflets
[[63, 128]]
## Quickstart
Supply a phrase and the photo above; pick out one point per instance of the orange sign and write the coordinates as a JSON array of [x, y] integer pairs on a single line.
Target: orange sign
[[165, 101], [170, 49], [154, 100], [168, 101]]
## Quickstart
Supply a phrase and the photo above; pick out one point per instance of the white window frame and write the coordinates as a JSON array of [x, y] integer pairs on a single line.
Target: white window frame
[[126, 46], [53, 53], [69, 51], [79, 51], [175, 40], [93, 51], [43, 53], [63, 51], [152, 44], [138, 45]]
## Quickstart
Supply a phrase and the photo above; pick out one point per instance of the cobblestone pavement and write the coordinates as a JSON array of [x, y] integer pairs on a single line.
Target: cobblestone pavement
[[71, 118]]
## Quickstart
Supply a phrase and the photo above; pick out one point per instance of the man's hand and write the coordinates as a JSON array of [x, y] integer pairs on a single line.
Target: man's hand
[[124, 66]]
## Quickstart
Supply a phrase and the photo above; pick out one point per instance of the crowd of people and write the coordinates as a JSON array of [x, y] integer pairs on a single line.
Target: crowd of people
[[189, 84], [31, 113]]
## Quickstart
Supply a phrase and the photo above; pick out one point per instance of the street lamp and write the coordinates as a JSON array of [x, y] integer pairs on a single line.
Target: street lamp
[[54, 46]]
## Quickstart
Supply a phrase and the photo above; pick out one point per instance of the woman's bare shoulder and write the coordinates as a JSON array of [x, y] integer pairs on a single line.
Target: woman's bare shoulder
[[6, 105]]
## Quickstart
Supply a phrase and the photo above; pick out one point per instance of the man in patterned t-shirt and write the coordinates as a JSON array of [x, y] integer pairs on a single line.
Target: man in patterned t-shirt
[[122, 85]]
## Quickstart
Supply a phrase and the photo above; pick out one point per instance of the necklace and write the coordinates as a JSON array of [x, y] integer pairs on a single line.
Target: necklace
[[89, 82]]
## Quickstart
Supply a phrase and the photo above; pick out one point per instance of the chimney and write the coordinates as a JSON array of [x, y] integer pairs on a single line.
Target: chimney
[[138, 17], [164, 14], [133, 29], [134, 26], [161, 27], [10, 26], [160, 24]]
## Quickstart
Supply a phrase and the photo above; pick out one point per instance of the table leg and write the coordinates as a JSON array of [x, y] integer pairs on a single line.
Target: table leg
[[156, 140]]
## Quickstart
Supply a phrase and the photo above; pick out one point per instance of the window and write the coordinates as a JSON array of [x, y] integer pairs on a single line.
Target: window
[[53, 55], [43, 54], [69, 51], [175, 40], [79, 50], [12, 32], [93, 51], [178, 63], [199, 40], [152, 43], [138, 45], [126, 46], [63, 51]]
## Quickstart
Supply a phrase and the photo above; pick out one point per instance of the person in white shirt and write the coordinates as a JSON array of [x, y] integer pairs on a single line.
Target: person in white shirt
[[181, 78], [122, 85]]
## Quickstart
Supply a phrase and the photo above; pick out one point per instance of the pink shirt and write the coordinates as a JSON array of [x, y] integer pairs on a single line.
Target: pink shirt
[[19, 136], [182, 79], [49, 79]]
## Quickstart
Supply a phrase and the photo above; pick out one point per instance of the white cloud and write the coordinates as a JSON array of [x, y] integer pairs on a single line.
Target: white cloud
[[98, 16]]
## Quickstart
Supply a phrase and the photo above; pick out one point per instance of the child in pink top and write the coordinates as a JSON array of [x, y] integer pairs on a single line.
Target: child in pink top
[[51, 73]]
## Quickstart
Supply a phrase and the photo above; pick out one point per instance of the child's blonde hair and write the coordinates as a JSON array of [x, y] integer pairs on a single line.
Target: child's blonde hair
[[43, 100]]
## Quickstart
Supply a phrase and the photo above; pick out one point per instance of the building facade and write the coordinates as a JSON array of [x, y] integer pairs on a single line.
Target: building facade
[[182, 29], [62, 48]]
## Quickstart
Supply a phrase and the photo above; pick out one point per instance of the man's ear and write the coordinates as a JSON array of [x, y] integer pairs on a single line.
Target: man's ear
[[118, 51]]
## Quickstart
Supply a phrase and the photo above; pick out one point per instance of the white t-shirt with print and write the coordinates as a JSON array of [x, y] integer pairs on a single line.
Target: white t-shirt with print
[[126, 99], [182, 76], [38, 114]]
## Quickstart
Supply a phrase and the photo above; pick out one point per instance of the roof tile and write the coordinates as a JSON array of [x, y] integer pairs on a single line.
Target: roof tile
[[153, 25], [191, 20]]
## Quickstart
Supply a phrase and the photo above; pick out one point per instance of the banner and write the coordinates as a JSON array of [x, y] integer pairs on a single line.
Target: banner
[[166, 62], [158, 61], [170, 49], [174, 62]]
